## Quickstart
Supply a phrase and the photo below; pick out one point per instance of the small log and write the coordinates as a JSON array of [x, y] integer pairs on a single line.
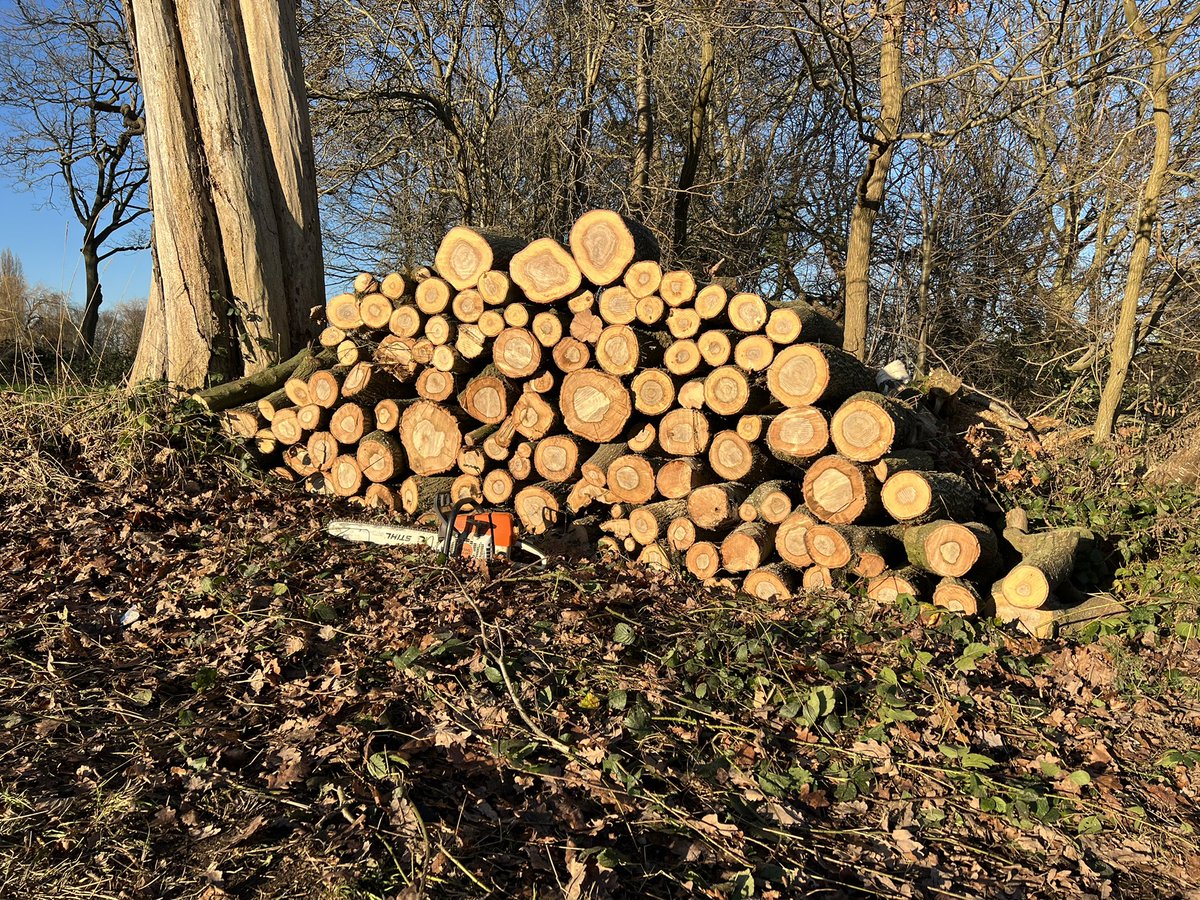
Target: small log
[[643, 278], [819, 578], [1049, 559], [923, 496], [753, 427], [703, 559], [342, 312], [466, 487], [683, 322], [868, 425], [369, 383], [346, 476], [517, 315], [571, 355], [540, 383], [244, 421], [447, 359], [324, 387], [827, 546], [617, 306], [387, 415], [516, 353], [465, 254], [640, 437], [547, 328], [470, 342], [655, 556], [406, 321], [433, 296], [790, 541], [375, 310], [497, 486], [586, 326], [330, 336], [679, 477], [271, 404], [621, 351], [440, 330], [539, 506], [350, 421], [604, 243], [322, 449], [649, 523], [488, 396], [650, 310], [958, 596], [423, 350], [491, 323], [582, 495], [727, 392], [653, 391], [682, 357], [556, 458], [714, 506], [436, 385], [431, 437], [297, 459], [395, 356], [535, 417], [353, 350], [815, 326], [477, 436], [747, 312], [380, 457], [890, 586], [382, 497], [691, 394], [595, 469], [496, 288], [904, 461], [365, 283], [716, 347], [582, 302], [770, 501], [253, 387], [467, 306], [677, 287], [776, 581], [545, 271], [840, 491], [631, 478], [683, 432], [803, 374], [711, 301], [419, 494], [754, 353], [747, 547], [472, 460], [736, 459], [394, 286], [311, 417], [595, 405], [949, 548]]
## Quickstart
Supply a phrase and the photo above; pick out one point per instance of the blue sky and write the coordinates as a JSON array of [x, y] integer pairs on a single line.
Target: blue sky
[[46, 240]]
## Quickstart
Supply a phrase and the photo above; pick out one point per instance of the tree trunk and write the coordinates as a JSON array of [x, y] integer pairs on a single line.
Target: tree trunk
[[644, 142], [874, 180], [695, 139], [95, 296], [236, 236], [1124, 338]]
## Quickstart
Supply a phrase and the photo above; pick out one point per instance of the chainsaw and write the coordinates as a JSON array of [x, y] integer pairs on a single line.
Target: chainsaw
[[463, 530]]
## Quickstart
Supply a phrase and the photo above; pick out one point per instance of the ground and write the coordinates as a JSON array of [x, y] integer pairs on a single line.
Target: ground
[[205, 696]]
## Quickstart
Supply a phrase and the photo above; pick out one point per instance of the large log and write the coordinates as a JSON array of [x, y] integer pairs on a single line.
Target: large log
[[621, 351], [840, 491], [375, 310], [604, 243], [516, 353], [804, 374], [545, 271], [465, 254], [683, 432], [595, 405], [431, 436], [798, 435], [556, 458], [488, 396], [727, 392], [923, 496], [735, 459], [868, 425], [950, 548]]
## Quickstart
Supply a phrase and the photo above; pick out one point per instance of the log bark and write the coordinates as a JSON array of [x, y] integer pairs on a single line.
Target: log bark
[[252, 387]]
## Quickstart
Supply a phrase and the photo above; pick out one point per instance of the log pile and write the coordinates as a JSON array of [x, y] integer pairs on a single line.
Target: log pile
[[694, 424]]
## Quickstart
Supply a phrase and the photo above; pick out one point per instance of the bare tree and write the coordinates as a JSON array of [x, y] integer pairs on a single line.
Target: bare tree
[[72, 111], [14, 297]]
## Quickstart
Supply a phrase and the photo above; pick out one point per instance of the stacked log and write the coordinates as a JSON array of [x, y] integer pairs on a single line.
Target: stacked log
[[703, 427]]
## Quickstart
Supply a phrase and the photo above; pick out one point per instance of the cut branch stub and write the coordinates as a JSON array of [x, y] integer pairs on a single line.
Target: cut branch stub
[[431, 437], [465, 254], [802, 374], [595, 405], [604, 243], [545, 271], [840, 491], [868, 425]]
